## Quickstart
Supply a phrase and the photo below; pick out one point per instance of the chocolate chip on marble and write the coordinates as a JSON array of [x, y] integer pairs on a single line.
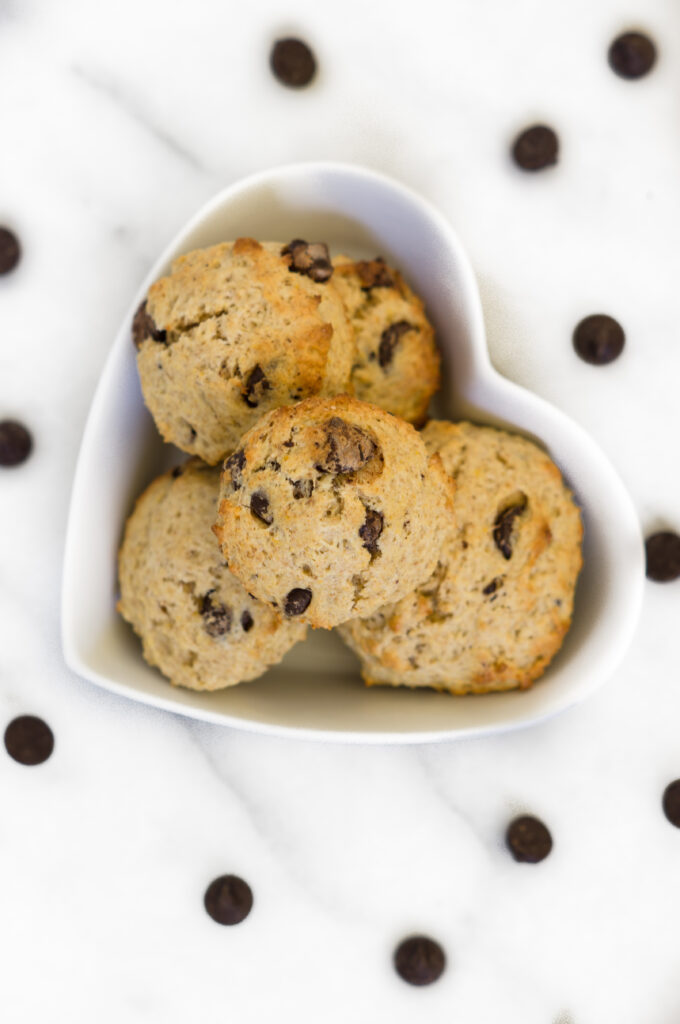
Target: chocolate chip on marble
[[297, 601], [234, 466], [632, 55], [259, 506], [10, 250], [493, 586], [671, 802], [247, 621], [504, 524], [347, 447], [419, 960], [143, 327], [663, 556], [528, 839], [389, 339], [374, 274], [216, 617], [302, 488], [310, 258], [255, 386], [29, 740], [535, 148], [16, 443], [228, 899], [371, 530], [292, 62], [599, 339]]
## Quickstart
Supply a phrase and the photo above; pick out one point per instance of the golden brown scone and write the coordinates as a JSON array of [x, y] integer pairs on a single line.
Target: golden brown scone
[[497, 607], [196, 622], [330, 508], [235, 330], [396, 365]]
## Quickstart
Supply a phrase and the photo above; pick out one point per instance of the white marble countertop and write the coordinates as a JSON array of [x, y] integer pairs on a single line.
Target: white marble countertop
[[116, 122]]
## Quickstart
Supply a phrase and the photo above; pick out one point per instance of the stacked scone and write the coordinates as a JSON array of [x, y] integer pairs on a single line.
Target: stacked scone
[[448, 557]]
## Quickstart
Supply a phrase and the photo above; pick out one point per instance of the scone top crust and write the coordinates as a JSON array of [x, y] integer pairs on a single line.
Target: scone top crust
[[234, 330], [499, 603], [330, 508], [397, 363]]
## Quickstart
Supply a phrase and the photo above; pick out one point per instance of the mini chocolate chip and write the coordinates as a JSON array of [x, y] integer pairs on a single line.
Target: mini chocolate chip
[[274, 465], [419, 960], [259, 506], [599, 339], [535, 148], [143, 327], [216, 617], [348, 447], [234, 466], [663, 556], [671, 802], [528, 839], [177, 471], [371, 530], [10, 250], [390, 338], [503, 527], [16, 443], [374, 274], [247, 622], [310, 258], [292, 62], [302, 488], [492, 587], [255, 386], [288, 443], [228, 899], [29, 740], [297, 601], [632, 55]]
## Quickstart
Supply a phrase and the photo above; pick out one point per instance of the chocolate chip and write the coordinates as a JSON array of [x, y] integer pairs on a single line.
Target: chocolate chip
[[247, 622], [29, 740], [10, 250], [503, 527], [16, 443], [535, 148], [348, 447], [144, 327], [255, 386], [234, 466], [528, 840], [374, 274], [302, 488], [389, 339], [259, 506], [297, 601], [632, 55], [492, 587], [671, 802], [292, 62], [599, 339], [663, 556], [177, 471], [419, 960], [216, 617], [310, 258], [371, 530], [228, 899]]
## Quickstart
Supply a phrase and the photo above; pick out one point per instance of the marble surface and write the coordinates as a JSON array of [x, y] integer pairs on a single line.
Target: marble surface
[[117, 121]]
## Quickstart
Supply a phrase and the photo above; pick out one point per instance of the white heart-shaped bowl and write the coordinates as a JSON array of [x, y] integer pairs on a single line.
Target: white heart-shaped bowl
[[316, 691]]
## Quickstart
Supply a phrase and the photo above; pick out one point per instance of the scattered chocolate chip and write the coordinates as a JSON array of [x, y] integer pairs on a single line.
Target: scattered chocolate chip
[[492, 587], [288, 443], [177, 471], [292, 62], [663, 556], [374, 274], [259, 506], [255, 386], [389, 339], [599, 339], [29, 740], [632, 55], [247, 622], [302, 488], [234, 466], [144, 327], [274, 465], [535, 148], [310, 258], [10, 250], [216, 617], [371, 530], [228, 899], [297, 601], [671, 802], [503, 527], [419, 960], [528, 839], [16, 443], [348, 447]]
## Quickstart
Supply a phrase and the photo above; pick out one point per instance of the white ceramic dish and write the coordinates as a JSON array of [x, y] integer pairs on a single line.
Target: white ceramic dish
[[316, 692]]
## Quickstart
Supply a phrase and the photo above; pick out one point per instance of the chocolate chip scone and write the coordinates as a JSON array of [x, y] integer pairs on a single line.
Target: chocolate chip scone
[[196, 622], [330, 508], [499, 602], [396, 365], [235, 330]]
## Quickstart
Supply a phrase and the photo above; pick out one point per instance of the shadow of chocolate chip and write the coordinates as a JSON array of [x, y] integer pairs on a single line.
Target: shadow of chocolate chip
[[29, 740], [143, 327], [504, 524], [310, 258], [255, 386], [389, 339], [216, 617], [228, 899], [347, 447], [292, 62], [247, 622], [419, 960], [374, 274], [528, 839], [297, 601], [371, 530], [234, 466], [259, 506], [302, 488]]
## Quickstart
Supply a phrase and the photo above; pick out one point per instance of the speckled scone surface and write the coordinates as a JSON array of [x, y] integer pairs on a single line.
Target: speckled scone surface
[[499, 602], [196, 622], [332, 507], [235, 330], [396, 365]]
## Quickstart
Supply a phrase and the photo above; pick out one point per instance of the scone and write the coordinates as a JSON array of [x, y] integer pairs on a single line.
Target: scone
[[330, 508], [396, 365], [499, 602], [196, 622], [235, 330]]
